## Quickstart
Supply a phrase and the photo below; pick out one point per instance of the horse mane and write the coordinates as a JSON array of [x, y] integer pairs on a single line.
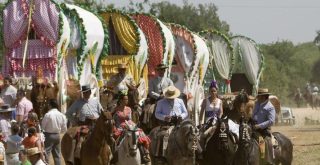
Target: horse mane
[[187, 122]]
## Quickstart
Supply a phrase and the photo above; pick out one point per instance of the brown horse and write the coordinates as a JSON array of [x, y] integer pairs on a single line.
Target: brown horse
[[133, 102], [96, 149], [41, 94]]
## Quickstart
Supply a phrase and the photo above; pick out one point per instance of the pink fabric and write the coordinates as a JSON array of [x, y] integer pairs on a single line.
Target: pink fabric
[[45, 22], [38, 55], [15, 24], [24, 107]]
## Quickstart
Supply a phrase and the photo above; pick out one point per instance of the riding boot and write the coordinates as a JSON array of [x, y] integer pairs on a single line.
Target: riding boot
[[145, 158], [268, 150]]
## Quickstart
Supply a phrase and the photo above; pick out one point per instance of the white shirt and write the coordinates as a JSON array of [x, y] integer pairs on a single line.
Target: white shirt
[[54, 122], [5, 127]]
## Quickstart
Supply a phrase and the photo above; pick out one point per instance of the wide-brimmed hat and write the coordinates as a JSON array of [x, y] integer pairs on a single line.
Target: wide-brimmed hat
[[171, 92], [161, 66], [122, 66], [85, 88], [263, 91], [33, 151], [5, 108]]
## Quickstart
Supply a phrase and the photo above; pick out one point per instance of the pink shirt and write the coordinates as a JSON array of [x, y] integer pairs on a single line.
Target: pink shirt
[[24, 107]]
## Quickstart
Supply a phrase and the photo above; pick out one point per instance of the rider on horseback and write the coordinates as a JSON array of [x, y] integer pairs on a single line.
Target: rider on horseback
[[122, 116], [119, 81], [159, 83], [264, 116], [169, 108]]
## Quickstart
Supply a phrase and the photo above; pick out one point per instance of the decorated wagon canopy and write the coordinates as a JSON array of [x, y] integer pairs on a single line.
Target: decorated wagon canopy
[[86, 45], [128, 45], [191, 59], [249, 65], [160, 42], [221, 59], [34, 37]]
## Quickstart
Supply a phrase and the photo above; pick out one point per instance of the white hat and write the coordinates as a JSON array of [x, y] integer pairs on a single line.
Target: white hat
[[171, 92]]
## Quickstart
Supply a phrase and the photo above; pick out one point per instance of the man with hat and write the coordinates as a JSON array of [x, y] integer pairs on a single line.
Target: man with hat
[[119, 81], [34, 156], [85, 110], [159, 83], [5, 121], [264, 115], [8, 92]]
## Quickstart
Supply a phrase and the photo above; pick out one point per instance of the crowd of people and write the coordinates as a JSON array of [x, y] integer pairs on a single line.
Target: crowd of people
[[27, 140]]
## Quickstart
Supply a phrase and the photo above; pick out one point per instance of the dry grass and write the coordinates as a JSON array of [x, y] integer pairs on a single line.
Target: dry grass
[[305, 138]]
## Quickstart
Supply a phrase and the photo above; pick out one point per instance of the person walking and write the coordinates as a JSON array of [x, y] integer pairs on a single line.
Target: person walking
[[53, 123], [13, 145], [8, 92], [23, 108]]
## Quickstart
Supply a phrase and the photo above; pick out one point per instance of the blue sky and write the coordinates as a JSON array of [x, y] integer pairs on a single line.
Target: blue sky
[[264, 21]]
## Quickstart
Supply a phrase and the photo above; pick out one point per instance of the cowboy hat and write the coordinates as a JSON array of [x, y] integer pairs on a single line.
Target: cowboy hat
[[171, 92], [33, 151], [161, 66], [263, 91], [85, 88], [6, 108], [122, 66]]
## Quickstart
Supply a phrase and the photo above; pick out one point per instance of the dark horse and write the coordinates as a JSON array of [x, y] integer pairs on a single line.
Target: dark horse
[[248, 152], [221, 147], [96, 148]]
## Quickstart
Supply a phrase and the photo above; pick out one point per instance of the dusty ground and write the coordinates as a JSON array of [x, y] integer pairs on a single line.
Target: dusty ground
[[306, 138]]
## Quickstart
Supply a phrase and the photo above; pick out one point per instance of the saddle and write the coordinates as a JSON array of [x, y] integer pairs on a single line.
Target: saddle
[[262, 146]]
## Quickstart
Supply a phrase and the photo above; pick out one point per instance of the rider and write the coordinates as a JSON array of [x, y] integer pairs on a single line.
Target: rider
[[159, 83], [167, 108], [119, 81], [85, 110], [264, 116], [122, 116]]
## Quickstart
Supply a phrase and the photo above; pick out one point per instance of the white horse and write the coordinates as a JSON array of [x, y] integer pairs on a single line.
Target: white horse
[[128, 148]]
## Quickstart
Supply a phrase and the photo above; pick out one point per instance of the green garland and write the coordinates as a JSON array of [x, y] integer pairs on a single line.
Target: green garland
[[208, 33], [194, 43], [73, 14], [262, 63]]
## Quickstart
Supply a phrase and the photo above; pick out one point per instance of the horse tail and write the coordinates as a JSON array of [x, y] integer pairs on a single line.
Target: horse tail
[[286, 153]]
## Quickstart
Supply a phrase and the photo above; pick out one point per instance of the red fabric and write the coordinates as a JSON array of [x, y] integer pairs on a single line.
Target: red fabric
[[228, 81], [152, 31], [30, 142]]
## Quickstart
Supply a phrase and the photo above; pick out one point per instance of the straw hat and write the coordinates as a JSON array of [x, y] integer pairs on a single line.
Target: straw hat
[[33, 151], [161, 66], [122, 66], [171, 92], [263, 91]]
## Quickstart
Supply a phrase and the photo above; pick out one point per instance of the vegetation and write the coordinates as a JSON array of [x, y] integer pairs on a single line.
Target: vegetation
[[288, 66]]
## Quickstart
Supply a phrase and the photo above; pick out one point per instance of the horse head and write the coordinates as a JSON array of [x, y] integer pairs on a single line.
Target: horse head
[[222, 133], [104, 125], [133, 95], [131, 139], [186, 137]]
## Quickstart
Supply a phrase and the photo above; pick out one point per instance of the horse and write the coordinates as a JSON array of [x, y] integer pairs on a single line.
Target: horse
[[249, 152], [221, 146], [40, 95], [96, 148], [182, 144], [133, 102], [128, 147]]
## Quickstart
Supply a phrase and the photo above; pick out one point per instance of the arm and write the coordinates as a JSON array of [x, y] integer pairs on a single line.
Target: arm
[[221, 109], [184, 112], [159, 114], [271, 118], [152, 89], [203, 107]]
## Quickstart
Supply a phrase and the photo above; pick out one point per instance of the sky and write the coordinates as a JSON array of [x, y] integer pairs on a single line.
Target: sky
[[264, 21]]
